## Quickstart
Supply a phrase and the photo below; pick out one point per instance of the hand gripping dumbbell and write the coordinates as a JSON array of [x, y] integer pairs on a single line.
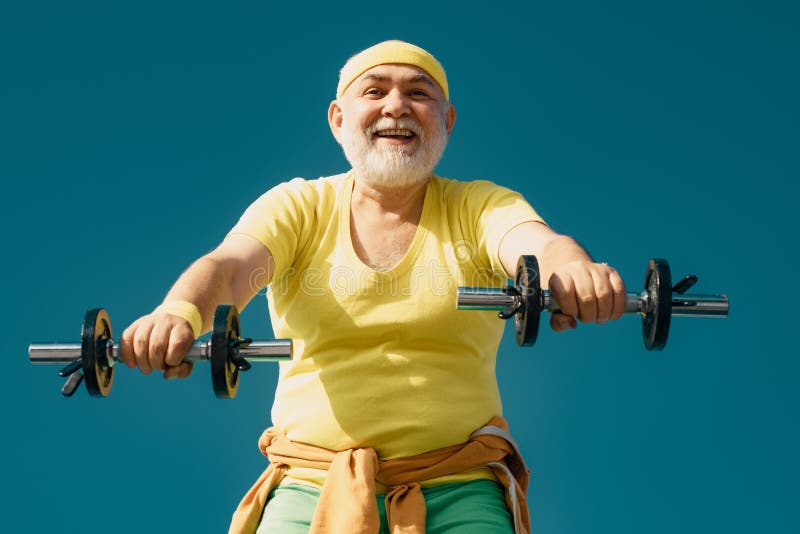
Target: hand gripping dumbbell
[[95, 357], [657, 303]]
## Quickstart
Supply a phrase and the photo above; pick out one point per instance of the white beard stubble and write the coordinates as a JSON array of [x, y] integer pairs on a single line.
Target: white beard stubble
[[391, 166]]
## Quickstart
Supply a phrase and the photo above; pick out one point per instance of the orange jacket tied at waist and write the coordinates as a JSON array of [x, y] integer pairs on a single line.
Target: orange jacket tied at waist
[[347, 502]]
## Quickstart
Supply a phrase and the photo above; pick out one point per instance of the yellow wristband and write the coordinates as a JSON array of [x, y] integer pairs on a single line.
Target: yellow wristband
[[185, 310]]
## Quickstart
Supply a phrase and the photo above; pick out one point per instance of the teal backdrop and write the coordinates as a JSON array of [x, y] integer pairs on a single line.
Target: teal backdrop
[[133, 135]]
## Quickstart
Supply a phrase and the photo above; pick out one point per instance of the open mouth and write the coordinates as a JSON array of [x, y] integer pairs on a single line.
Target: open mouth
[[398, 134]]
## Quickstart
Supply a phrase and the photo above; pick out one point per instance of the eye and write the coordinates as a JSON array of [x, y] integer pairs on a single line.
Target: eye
[[418, 93], [374, 92]]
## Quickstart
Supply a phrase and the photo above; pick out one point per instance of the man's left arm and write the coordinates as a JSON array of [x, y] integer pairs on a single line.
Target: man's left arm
[[586, 291]]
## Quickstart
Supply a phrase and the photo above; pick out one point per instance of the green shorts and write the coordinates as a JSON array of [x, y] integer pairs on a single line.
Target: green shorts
[[476, 506]]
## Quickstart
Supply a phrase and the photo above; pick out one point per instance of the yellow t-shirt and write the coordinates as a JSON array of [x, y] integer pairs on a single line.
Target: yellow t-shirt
[[384, 359]]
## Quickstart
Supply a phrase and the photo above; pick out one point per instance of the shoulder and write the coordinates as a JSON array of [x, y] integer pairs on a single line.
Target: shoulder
[[306, 191], [321, 185], [472, 192]]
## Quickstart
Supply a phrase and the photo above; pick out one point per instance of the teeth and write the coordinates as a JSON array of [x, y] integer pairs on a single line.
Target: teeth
[[406, 133]]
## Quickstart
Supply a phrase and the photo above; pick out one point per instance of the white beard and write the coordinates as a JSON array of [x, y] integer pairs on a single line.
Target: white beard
[[392, 166]]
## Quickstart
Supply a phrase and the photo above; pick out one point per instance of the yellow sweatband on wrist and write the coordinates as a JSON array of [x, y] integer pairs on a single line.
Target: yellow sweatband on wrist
[[185, 310]]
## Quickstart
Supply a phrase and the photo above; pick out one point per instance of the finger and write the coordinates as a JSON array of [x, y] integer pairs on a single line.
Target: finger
[[159, 339], [584, 292], [126, 345], [141, 346], [180, 339], [562, 289], [620, 294], [178, 371], [560, 322], [604, 293]]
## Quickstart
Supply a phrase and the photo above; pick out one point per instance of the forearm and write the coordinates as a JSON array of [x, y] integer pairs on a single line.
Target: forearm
[[231, 274], [206, 284], [552, 250]]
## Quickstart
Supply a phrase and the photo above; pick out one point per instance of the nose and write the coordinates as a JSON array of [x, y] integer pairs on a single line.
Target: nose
[[395, 104]]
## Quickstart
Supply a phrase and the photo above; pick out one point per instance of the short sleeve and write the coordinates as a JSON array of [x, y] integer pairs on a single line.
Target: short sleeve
[[495, 211], [282, 220]]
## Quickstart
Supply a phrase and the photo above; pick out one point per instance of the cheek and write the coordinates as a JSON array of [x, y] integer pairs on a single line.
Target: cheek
[[360, 115], [432, 120]]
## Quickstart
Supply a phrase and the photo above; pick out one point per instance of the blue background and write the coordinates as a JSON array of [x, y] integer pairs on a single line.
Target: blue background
[[132, 136]]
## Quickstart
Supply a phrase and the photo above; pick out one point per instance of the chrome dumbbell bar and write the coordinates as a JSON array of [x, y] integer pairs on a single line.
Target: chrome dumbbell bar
[[94, 358], [690, 305], [657, 303], [257, 351]]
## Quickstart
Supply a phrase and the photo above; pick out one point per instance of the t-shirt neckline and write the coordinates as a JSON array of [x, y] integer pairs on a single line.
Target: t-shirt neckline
[[411, 254]]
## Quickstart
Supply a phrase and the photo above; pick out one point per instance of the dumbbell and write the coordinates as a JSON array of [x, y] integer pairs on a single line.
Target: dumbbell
[[94, 358], [657, 303]]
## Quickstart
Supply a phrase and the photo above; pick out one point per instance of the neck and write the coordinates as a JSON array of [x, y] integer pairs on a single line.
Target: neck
[[404, 202]]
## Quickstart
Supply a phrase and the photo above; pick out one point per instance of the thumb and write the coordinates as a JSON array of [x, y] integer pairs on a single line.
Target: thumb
[[560, 322], [178, 371]]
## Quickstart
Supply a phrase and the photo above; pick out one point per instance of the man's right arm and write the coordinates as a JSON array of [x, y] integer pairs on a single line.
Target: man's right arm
[[233, 273]]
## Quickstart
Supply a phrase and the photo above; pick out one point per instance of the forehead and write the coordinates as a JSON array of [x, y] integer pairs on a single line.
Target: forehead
[[396, 73]]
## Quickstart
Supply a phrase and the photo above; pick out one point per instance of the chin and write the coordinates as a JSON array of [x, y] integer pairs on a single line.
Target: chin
[[393, 168]]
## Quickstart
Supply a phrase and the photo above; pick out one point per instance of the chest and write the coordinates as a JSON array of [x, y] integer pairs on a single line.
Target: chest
[[381, 245]]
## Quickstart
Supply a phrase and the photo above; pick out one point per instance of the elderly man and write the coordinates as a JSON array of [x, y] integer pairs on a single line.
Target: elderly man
[[388, 417]]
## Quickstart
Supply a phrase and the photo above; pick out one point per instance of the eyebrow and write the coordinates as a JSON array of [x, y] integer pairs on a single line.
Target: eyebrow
[[417, 78]]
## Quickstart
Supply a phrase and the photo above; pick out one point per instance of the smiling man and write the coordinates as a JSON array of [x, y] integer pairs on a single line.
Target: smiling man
[[388, 418]]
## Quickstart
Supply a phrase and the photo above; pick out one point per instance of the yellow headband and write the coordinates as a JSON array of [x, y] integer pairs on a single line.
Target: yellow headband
[[391, 52]]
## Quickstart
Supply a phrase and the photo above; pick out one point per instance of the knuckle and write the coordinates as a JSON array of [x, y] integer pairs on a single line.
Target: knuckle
[[140, 343], [586, 298], [156, 352], [556, 285], [157, 345], [182, 335], [157, 349], [603, 293], [127, 334]]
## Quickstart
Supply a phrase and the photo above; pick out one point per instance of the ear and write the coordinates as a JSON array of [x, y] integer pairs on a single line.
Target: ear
[[450, 118], [335, 120]]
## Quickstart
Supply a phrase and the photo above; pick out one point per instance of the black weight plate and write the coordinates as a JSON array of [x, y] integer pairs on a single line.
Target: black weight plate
[[526, 320], [658, 284], [224, 373], [95, 333]]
